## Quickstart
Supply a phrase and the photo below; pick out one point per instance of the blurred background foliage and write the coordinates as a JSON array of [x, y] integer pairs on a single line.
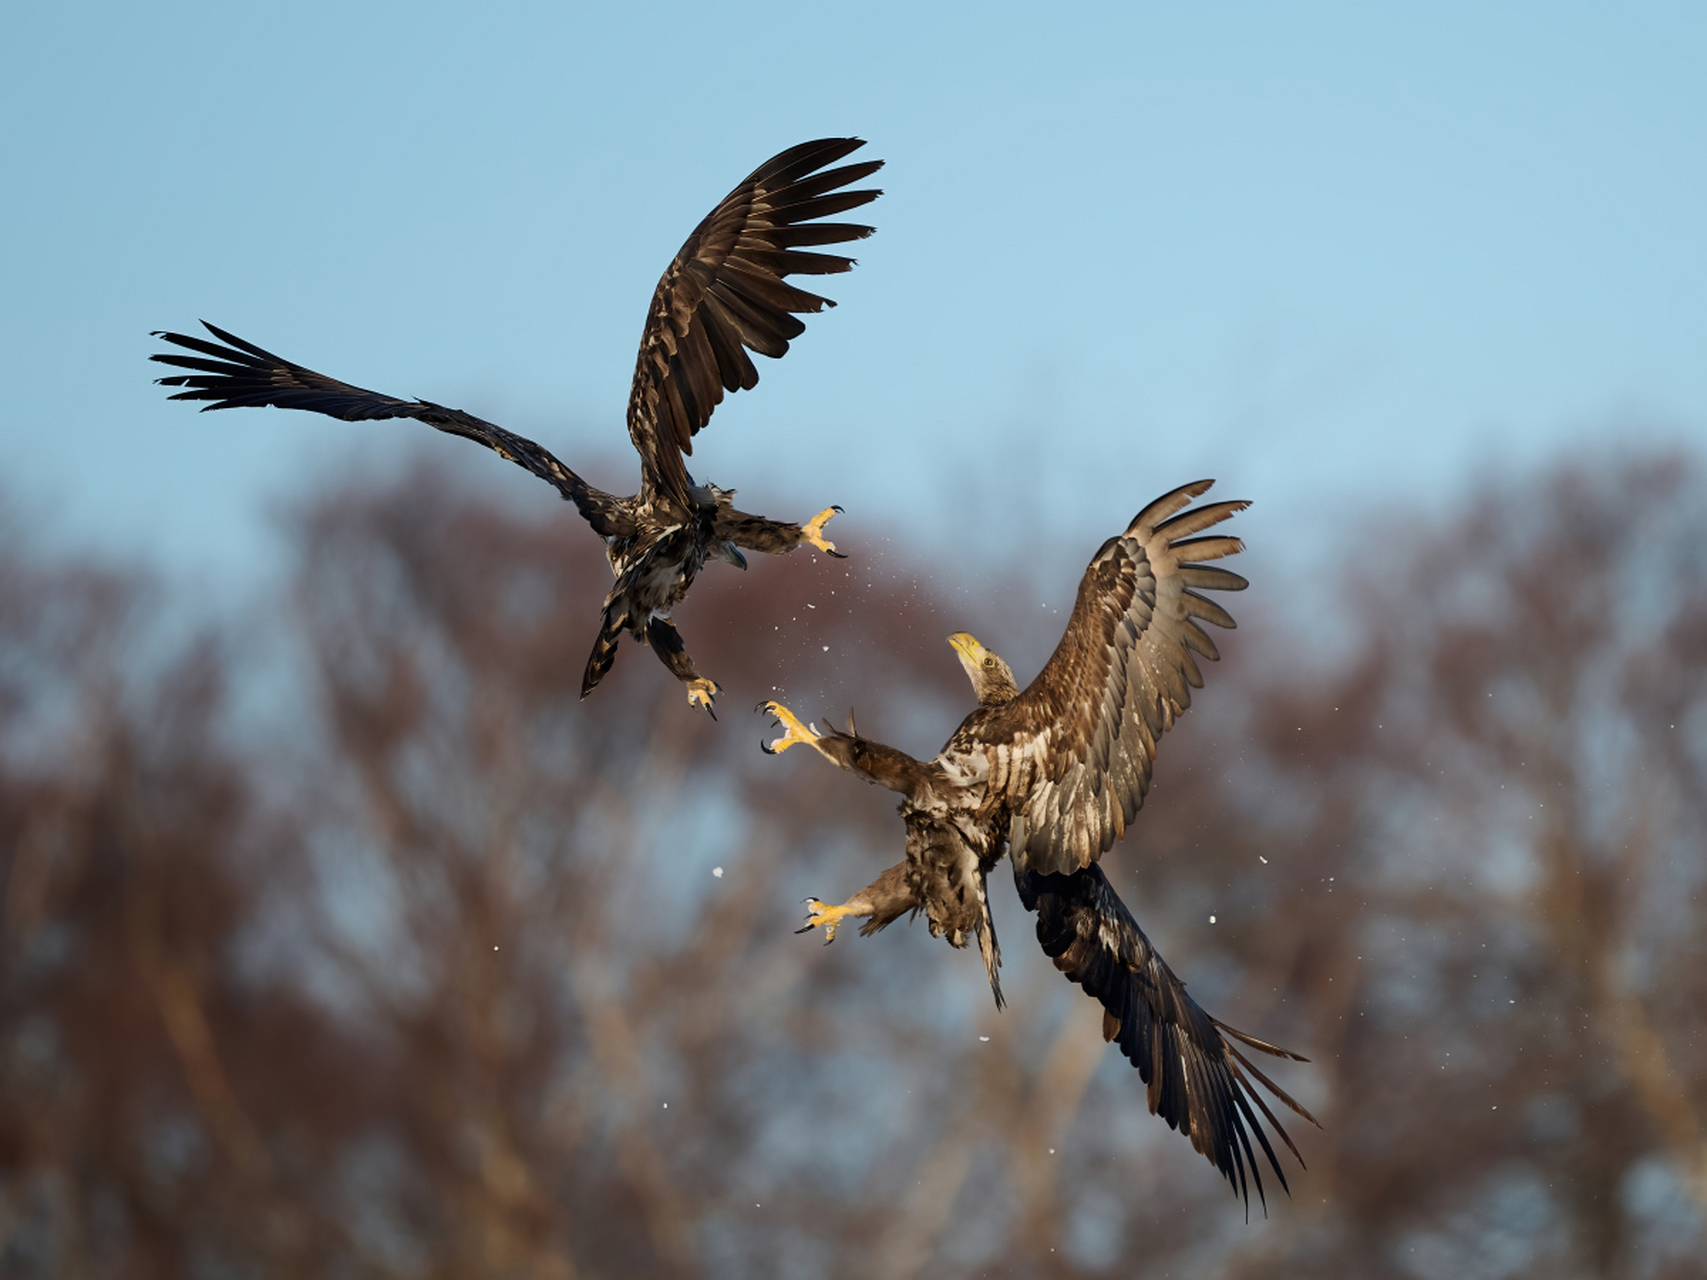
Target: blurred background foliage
[[339, 939]]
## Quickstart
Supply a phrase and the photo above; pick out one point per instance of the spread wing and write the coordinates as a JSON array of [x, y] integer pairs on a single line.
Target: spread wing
[[725, 295], [1198, 1080], [232, 373], [1071, 756]]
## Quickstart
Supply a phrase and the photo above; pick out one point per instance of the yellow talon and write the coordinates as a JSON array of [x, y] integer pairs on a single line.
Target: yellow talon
[[795, 731], [701, 692], [813, 531], [819, 913]]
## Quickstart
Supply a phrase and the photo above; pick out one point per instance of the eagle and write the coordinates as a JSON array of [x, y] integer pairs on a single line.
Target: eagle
[[1052, 775], [724, 295]]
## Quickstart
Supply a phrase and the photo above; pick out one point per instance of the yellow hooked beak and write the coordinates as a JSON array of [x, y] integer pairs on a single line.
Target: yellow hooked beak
[[966, 644]]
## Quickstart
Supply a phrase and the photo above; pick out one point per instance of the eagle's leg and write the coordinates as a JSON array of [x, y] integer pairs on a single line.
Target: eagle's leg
[[886, 899], [813, 531], [774, 537], [703, 693], [666, 642], [794, 732]]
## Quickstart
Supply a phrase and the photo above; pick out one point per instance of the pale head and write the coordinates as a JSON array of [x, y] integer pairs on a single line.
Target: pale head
[[992, 679]]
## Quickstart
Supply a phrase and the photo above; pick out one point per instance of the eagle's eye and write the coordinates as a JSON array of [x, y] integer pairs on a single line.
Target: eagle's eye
[[989, 662]]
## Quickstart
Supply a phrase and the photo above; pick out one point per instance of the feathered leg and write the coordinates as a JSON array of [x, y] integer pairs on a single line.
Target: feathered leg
[[886, 899], [871, 760], [666, 642], [957, 905], [775, 537]]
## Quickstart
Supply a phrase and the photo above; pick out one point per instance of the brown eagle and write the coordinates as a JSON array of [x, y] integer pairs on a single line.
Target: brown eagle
[[1052, 776], [724, 295]]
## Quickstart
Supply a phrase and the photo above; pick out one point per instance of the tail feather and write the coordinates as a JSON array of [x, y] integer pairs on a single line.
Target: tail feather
[[1199, 1081], [991, 951], [612, 624]]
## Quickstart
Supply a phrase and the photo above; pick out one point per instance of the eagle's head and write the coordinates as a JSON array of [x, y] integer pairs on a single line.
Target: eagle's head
[[992, 679], [709, 496], [708, 499]]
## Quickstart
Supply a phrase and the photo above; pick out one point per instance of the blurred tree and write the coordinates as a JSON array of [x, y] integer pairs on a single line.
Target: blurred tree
[[161, 1111], [446, 973], [1482, 826]]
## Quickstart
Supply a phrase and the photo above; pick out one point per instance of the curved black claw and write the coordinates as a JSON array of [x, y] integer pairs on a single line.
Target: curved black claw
[[703, 693], [808, 926], [811, 924]]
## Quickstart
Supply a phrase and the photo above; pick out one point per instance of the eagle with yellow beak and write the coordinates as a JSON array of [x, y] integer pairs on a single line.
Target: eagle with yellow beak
[[1051, 776]]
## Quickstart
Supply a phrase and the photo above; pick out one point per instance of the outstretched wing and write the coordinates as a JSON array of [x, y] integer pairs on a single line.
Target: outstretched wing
[[232, 373], [724, 295], [1070, 757], [1198, 1080]]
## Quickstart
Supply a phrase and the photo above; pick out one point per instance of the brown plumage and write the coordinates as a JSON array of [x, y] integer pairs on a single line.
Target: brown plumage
[[1051, 776], [723, 295]]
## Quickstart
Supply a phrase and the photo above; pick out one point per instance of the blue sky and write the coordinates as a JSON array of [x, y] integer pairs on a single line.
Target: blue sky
[[1340, 255]]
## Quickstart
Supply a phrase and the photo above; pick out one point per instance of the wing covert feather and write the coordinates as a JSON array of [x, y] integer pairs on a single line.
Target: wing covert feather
[[1075, 749]]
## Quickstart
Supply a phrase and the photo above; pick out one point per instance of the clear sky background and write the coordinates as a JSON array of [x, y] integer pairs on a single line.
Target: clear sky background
[[1341, 255]]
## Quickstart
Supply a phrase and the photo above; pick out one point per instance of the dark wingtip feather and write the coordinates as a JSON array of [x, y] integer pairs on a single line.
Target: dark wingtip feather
[[1197, 1080]]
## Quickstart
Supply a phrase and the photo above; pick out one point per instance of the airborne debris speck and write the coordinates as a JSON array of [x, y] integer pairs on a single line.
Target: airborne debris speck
[[1211, 919], [718, 872], [826, 648]]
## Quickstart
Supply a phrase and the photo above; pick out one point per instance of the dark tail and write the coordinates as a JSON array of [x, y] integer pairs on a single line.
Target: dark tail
[[1198, 1082], [612, 624]]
